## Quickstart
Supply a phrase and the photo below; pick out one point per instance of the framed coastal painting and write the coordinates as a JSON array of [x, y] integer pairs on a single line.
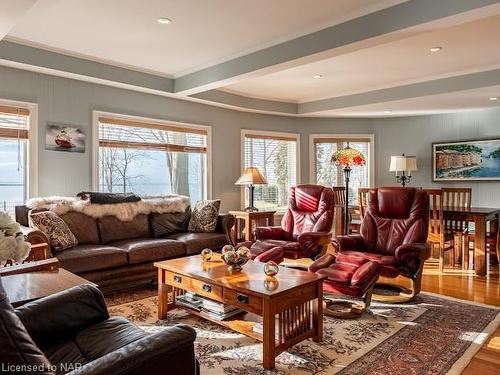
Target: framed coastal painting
[[64, 138], [476, 160]]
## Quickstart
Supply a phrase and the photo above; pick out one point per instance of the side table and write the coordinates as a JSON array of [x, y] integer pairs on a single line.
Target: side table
[[245, 221]]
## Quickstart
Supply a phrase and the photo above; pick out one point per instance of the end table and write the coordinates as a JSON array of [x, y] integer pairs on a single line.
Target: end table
[[248, 219]]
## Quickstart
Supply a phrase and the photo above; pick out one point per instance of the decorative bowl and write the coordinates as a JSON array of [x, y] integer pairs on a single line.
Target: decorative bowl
[[271, 268], [235, 259], [206, 255]]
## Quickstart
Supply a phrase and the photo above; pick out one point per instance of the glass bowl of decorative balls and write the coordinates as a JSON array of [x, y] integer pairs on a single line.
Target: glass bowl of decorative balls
[[235, 258]]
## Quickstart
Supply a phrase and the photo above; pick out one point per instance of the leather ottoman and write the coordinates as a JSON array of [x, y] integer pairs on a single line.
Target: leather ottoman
[[264, 253], [353, 277]]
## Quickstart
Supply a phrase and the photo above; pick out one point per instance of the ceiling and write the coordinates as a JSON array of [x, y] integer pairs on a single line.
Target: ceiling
[[373, 56], [203, 33]]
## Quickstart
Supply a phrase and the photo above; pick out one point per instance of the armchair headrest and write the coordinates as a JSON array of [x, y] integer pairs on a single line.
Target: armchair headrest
[[394, 202], [306, 198]]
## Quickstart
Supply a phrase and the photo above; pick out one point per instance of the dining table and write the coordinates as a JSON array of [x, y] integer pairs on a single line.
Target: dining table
[[480, 216]]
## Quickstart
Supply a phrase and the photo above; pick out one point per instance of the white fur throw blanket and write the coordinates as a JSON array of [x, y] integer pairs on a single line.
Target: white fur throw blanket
[[122, 211]]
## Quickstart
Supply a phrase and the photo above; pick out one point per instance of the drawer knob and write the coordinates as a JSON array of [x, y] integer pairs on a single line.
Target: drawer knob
[[242, 298], [177, 279], [207, 288]]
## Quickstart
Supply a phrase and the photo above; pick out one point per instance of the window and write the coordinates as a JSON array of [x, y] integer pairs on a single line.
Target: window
[[324, 173], [151, 157], [14, 126], [276, 157]]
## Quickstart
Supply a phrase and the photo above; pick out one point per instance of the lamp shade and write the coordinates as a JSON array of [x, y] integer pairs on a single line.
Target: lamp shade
[[402, 163], [251, 176], [348, 157]]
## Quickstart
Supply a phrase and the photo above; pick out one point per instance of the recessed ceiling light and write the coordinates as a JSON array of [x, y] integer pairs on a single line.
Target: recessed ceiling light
[[317, 76], [494, 98], [164, 20], [436, 49]]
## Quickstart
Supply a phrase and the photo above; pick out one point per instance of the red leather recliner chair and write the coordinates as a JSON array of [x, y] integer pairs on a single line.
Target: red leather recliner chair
[[305, 227], [394, 234]]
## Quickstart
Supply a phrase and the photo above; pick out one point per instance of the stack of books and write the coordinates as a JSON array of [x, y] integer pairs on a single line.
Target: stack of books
[[190, 300], [218, 310], [213, 309]]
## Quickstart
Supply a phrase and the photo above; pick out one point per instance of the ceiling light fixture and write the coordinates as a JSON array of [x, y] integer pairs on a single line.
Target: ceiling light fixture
[[164, 20], [387, 111], [494, 98], [436, 49], [317, 76]]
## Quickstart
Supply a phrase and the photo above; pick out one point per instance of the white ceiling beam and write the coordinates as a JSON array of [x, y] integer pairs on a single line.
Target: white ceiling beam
[[416, 90], [372, 29]]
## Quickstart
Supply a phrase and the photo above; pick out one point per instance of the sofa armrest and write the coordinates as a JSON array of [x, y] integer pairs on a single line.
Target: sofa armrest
[[407, 253], [344, 243], [63, 314], [225, 223], [168, 351], [268, 233], [36, 238]]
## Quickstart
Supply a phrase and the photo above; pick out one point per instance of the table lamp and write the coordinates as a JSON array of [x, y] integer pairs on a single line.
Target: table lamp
[[347, 158], [251, 176], [403, 166]]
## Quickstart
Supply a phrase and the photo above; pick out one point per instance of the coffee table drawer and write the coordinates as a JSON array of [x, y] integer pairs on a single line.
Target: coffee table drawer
[[177, 280], [245, 301], [206, 289]]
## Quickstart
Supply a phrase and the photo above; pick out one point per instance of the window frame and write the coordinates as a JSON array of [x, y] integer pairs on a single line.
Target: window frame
[[167, 123], [32, 149], [266, 133], [312, 153]]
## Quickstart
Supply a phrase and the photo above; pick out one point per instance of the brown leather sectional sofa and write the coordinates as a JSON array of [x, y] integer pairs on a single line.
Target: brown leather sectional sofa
[[112, 253]]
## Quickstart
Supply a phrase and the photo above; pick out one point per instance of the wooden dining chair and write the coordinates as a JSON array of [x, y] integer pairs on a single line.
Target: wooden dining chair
[[492, 244], [438, 235], [363, 200], [458, 198], [338, 195]]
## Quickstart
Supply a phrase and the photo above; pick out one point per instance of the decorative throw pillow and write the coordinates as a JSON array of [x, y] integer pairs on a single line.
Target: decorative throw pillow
[[204, 216], [58, 232]]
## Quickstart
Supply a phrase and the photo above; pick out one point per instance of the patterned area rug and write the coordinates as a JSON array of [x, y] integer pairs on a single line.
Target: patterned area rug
[[433, 335]]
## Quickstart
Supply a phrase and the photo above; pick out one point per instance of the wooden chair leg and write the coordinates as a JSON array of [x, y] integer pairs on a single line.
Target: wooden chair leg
[[441, 258]]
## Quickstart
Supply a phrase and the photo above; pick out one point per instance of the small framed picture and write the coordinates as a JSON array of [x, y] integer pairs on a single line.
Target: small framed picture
[[64, 138], [476, 160]]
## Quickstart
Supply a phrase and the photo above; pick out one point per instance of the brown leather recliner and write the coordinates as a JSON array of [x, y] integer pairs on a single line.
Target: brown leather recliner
[[305, 227], [393, 234], [72, 332]]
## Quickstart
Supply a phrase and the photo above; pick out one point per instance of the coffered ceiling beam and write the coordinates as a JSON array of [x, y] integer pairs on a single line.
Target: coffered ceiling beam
[[26, 57], [434, 87], [369, 30], [11, 11], [253, 104]]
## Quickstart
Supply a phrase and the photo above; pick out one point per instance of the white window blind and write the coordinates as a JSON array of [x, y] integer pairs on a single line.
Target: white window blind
[[329, 175], [151, 158], [276, 159], [14, 125]]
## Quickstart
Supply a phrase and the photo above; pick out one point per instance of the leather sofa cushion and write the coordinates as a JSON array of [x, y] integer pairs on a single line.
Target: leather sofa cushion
[[113, 229], [388, 263], [141, 250], [169, 223], [291, 249], [195, 242], [17, 346], [82, 226], [83, 258]]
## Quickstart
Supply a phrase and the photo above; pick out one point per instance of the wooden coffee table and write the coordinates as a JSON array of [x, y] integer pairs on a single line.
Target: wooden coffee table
[[289, 306], [25, 287]]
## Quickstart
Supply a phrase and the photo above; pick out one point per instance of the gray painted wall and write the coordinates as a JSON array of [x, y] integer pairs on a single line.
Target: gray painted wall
[[414, 136], [72, 102]]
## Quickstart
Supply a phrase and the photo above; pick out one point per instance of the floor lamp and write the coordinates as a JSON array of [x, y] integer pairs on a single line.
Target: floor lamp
[[347, 158]]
